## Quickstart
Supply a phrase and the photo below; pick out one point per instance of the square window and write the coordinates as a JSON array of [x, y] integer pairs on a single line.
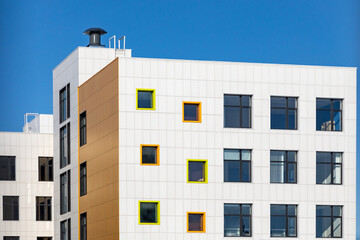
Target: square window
[[328, 114], [196, 222], [197, 171], [145, 99], [7, 168], [284, 113], [149, 154], [192, 112], [149, 212], [237, 111]]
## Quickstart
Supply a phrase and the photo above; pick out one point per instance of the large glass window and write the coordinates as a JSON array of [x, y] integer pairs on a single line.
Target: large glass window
[[237, 165], [197, 171], [328, 221], [328, 114], [7, 168], [65, 198], [83, 226], [283, 220], [283, 113], [237, 220], [196, 222], [82, 129], [10, 208], [145, 99], [46, 169], [65, 229], [328, 167], [43, 208], [65, 145], [83, 179], [64, 100], [149, 154], [283, 166], [149, 212], [237, 111]]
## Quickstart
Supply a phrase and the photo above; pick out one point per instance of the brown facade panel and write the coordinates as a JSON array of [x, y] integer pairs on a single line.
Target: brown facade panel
[[99, 98]]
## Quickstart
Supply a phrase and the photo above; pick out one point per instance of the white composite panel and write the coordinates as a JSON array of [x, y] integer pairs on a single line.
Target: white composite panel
[[178, 80]]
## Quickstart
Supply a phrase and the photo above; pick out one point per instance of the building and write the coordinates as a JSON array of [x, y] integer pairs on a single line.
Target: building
[[26, 181], [180, 149]]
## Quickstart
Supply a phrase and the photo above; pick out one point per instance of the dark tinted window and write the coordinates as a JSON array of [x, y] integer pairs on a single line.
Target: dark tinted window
[[10, 208], [283, 167], [65, 198], [237, 111], [145, 99], [283, 221], [191, 112], [149, 155], [65, 230], [65, 145], [328, 221], [237, 220], [11, 238], [83, 226], [148, 212], [283, 113], [196, 171], [328, 114], [44, 238], [195, 222], [83, 179], [64, 102], [328, 168], [43, 208], [83, 128], [237, 165], [45, 169], [7, 168]]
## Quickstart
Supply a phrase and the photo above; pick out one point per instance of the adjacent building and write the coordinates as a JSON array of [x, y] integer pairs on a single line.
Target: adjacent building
[[26, 181], [178, 149]]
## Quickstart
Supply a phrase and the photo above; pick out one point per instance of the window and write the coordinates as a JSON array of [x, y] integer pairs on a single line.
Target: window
[[64, 100], [196, 222], [65, 229], [237, 111], [284, 113], [145, 99], [237, 165], [11, 238], [149, 212], [328, 167], [44, 238], [328, 221], [43, 208], [149, 154], [10, 208], [237, 220], [283, 166], [197, 171], [65, 145], [283, 220], [83, 128], [7, 168], [83, 226], [328, 114], [65, 198], [46, 169], [192, 112], [83, 179]]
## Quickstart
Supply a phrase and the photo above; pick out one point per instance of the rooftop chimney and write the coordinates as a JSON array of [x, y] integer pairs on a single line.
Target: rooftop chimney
[[95, 36]]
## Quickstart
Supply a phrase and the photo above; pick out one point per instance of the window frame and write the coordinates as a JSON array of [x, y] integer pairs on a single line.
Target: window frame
[[332, 163], [46, 207], [241, 215], [286, 164], [49, 168], [67, 188], [83, 179], [9, 165], [16, 205], [287, 109], [82, 129], [287, 216], [64, 103], [83, 227], [205, 161], [157, 212], [241, 164], [67, 225], [65, 141], [241, 108], [198, 112], [157, 154], [332, 217], [331, 110], [203, 222], [153, 98]]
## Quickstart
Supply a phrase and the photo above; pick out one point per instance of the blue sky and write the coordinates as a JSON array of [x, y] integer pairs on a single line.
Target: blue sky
[[36, 35]]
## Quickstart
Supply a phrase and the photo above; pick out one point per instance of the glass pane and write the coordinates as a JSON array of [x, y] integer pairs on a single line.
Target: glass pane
[[245, 118], [278, 209], [231, 154], [323, 173], [337, 157], [245, 171], [148, 212], [337, 121], [245, 101], [323, 211], [232, 226], [291, 156], [279, 102], [145, 99], [196, 171], [291, 210], [277, 156], [277, 172], [323, 103], [245, 155], [292, 102], [337, 211], [278, 226], [191, 112], [195, 222], [323, 157], [337, 227], [292, 119], [337, 174], [323, 120], [246, 231], [246, 209], [232, 171], [149, 155], [323, 227], [231, 100], [232, 117], [291, 173], [337, 104], [291, 226], [233, 209], [278, 118]]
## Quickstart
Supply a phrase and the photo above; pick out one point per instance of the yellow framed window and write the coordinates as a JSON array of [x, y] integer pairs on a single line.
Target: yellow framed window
[[197, 171], [149, 154], [196, 222], [192, 112], [149, 212], [145, 99]]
